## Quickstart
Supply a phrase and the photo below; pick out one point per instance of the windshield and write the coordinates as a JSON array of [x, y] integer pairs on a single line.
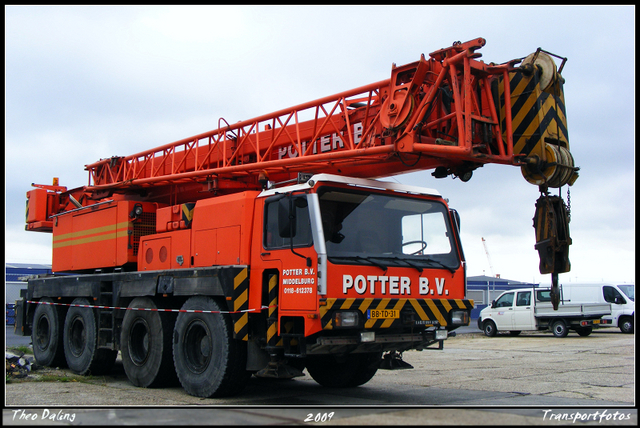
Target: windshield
[[629, 290], [383, 230]]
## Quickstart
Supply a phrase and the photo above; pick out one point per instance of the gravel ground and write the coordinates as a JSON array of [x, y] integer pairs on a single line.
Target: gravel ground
[[532, 369]]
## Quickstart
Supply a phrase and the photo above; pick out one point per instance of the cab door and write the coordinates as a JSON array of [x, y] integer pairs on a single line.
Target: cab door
[[522, 311], [288, 244], [503, 313], [618, 302]]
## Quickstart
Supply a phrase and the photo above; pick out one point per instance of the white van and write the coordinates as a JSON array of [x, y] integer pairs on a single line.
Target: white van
[[621, 297]]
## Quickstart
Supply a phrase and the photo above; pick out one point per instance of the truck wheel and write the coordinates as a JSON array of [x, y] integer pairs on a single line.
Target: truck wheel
[[208, 361], [345, 371], [145, 344], [584, 331], [626, 324], [80, 342], [560, 329], [489, 328], [47, 333]]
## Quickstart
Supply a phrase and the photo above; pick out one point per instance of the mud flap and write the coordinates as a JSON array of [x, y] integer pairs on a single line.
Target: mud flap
[[279, 370], [394, 361]]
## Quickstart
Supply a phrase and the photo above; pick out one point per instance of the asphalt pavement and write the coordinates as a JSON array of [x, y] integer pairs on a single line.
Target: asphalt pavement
[[12, 339], [532, 379]]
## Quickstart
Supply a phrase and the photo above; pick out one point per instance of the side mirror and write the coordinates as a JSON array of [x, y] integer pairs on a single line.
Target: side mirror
[[620, 301], [493, 304]]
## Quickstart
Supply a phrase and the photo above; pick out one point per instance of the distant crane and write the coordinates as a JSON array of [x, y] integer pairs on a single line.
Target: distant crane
[[486, 250]]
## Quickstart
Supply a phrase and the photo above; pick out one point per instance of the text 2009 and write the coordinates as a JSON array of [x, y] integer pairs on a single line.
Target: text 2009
[[319, 417]]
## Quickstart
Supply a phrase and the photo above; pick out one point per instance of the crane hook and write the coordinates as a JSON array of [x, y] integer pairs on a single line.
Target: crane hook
[[551, 224]]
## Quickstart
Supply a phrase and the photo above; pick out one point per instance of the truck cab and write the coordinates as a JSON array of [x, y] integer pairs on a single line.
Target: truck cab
[[355, 256], [512, 310]]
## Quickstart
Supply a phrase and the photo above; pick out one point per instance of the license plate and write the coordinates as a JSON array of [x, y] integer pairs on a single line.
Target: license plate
[[375, 314]]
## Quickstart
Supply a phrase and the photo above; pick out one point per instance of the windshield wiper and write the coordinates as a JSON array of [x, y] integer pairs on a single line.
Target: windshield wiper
[[415, 266], [439, 263], [395, 258], [407, 262], [367, 259]]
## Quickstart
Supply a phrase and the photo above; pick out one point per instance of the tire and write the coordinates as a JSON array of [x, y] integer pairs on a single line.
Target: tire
[[208, 361], [489, 328], [584, 331], [626, 324], [47, 334], [344, 372], [81, 340], [559, 329], [146, 347]]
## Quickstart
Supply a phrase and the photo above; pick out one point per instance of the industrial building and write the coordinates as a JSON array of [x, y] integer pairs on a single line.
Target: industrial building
[[484, 289], [13, 283]]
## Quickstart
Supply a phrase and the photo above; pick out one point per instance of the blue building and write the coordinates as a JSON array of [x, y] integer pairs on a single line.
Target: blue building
[[13, 283]]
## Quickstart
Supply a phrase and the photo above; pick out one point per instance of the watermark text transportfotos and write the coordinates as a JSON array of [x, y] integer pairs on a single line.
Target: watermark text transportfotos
[[598, 415], [46, 414]]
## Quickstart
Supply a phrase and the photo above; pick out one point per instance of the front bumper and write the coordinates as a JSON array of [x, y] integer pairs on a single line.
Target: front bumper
[[352, 342], [413, 313]]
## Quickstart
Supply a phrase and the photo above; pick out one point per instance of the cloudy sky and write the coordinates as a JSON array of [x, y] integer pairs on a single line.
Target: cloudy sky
[[85, 83]]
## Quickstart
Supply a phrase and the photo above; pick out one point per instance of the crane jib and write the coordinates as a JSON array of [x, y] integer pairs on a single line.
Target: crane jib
[[444, 109]]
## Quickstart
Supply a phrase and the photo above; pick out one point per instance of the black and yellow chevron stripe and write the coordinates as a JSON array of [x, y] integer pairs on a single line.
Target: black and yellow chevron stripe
[[241, 303], [537, 115], [427, 311], [272, 321]]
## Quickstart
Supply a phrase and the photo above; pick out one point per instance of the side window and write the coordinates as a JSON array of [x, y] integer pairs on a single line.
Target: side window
[[543, 296], [524, 298], [505, 301], [610, 295], [272, 238]]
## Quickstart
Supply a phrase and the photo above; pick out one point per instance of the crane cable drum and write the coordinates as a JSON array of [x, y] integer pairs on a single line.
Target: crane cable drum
[[539, 121]]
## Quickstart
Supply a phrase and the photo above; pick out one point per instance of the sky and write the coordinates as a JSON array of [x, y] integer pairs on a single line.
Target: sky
[[84, 83]]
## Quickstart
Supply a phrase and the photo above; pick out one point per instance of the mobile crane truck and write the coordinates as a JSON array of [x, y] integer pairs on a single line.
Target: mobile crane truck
[[266, 246]]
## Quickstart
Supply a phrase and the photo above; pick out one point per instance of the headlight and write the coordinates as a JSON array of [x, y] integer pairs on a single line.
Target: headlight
[[367, 336], [345, 319], [441, 334], [459, 318]]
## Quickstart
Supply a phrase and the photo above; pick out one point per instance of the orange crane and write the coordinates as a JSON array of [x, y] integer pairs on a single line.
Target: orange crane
[[266, 246]]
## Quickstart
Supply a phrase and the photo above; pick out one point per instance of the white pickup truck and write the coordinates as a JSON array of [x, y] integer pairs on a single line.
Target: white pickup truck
[[515, 311]]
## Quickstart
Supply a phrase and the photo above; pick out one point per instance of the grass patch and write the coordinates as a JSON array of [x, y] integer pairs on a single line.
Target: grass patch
[[52, 375], [22, 349], [64, 378]]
